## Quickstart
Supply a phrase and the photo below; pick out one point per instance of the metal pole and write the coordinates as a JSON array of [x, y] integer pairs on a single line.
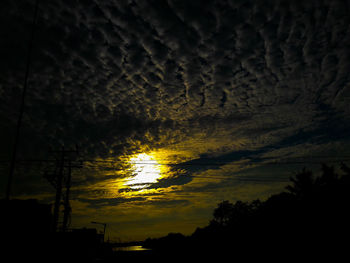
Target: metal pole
[[67, 208], [58, 194], [21, 110], [104, 232]]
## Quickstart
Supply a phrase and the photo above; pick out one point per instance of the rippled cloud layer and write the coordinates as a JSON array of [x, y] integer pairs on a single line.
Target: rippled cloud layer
[[216, 88]]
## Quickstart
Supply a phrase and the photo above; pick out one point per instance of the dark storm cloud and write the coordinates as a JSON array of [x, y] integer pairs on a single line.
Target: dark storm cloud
[[114, 75], [170, 203], [180, 179], [101, 202], [215, 162]]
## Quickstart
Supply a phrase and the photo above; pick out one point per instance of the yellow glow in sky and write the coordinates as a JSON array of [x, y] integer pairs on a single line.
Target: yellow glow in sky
[[145, 169]]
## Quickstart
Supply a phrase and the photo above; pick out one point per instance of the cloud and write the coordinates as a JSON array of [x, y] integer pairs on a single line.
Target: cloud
[[242, 80], [171, 181], [97, 63], [101, 202]]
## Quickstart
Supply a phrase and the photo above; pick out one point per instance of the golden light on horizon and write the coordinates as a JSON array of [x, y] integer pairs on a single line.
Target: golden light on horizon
[[145, 169]]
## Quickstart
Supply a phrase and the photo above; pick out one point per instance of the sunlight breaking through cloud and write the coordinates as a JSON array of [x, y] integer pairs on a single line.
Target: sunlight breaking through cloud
[[145, 171]]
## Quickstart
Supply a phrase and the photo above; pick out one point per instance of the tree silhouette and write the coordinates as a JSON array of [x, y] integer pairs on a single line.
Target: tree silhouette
[[310, 218], [303, 184], [223, 213], [345, 179]]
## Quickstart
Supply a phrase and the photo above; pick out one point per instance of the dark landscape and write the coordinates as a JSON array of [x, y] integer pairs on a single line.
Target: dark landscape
[[309, 219]]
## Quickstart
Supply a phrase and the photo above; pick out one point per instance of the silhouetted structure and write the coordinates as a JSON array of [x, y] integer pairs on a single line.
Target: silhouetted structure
[[25, 216], [27, 234], [104, 228], [25, 227], [79, 244], [60, 179]]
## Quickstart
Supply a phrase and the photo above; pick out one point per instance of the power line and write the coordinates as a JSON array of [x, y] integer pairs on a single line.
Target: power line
[[117, 166], [190, 163], [203, 160]]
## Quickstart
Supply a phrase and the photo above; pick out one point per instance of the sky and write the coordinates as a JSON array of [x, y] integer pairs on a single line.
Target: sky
[[174, 105]]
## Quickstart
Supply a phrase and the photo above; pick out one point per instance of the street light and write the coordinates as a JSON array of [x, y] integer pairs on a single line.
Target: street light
[[104, 228]]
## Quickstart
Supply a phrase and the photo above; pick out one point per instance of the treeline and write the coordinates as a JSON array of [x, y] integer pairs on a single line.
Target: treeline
[[311, 216]]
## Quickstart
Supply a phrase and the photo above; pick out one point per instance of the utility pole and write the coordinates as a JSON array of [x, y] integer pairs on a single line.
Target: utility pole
[[61, 181], [21, 109], [67, 208], [58, 185]]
